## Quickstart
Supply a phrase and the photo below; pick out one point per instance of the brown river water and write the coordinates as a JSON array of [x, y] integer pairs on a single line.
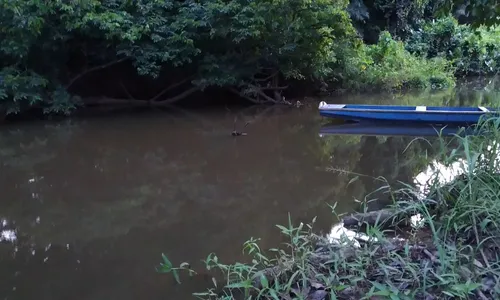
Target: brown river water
[[88, 205]]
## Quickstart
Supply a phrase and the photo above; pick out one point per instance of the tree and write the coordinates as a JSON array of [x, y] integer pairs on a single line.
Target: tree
[[50, 49], [476, 13]]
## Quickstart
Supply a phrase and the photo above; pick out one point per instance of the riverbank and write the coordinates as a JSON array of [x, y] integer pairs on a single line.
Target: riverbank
[[436, 241], [158, 55]]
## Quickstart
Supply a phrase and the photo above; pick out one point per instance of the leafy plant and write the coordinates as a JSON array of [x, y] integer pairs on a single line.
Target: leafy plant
[[167, 267], [387, 66], [473, 51]]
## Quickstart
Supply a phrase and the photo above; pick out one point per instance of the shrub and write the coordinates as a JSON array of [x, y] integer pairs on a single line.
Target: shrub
[[388, 65], [472, 51]]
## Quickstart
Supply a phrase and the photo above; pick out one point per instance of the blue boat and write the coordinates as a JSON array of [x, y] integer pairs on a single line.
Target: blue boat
[[394, 113]]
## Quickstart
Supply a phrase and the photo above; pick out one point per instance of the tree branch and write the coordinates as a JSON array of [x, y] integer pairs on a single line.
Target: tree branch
[[261, 93], [126, 91], [273, 88], [118, 101], [181, 96], [268, 77], [170, 87], [253, 100], [109, 101], [77, 77]]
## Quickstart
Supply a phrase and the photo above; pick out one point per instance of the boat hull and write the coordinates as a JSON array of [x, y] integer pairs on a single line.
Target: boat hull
[[416, 114], [403, 117]]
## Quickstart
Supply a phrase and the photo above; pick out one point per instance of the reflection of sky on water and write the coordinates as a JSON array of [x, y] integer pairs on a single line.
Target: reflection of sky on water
[[339, 233], [7, 235], [342, 235], [444, 174], [438, 171]]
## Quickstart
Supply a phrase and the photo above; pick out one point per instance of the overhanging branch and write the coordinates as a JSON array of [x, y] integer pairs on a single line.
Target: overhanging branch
[[120, 101], [170, 87], [77, 77], [253, 100], [176, 98]]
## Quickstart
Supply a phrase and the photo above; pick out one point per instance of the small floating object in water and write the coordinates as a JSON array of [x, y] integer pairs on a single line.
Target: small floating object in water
[[425, 114], [237, 133]]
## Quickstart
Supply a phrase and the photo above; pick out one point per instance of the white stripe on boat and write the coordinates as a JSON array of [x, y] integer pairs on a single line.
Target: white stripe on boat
[[483, 108], [324, 105], [421, 108]]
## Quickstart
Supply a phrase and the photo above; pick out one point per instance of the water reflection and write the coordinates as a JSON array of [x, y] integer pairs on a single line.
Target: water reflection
[[381, 129], [7, 235], [92, 204]]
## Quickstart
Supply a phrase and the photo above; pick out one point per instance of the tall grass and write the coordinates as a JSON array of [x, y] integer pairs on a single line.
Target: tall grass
[[451, 255]]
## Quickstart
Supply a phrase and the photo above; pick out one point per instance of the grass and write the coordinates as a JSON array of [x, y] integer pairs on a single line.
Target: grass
[[450, 254]]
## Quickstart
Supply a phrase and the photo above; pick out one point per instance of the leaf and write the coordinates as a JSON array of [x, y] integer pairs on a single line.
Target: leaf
[[264, 282], [283, 229], [394, 297], [238, 285], [166, 261], [383, 290], [274, 294], [352, 180], [176, 276]]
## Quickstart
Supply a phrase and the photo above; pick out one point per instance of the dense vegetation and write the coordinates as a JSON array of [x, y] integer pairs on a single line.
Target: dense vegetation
[[57, 55]]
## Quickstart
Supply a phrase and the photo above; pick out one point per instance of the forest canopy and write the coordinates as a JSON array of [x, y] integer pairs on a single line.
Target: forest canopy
[[58, 55]]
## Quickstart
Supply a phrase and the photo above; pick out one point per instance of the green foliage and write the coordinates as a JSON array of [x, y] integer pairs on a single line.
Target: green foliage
[[476, 13], [253, 48], [167, 267], [248, 46], [399, 17], [472, 51], [388, 65], [371, 17]]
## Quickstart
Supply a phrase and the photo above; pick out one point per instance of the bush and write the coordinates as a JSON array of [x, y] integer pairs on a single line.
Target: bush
[[388, 65], [472, 51]]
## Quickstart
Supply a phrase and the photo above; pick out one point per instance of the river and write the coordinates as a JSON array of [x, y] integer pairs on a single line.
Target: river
[[88, 205]]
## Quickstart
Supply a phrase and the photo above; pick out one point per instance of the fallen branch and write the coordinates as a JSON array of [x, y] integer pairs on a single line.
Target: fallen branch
[[271, 88], [181, 96], [126, 91], [120, 101], [77, 77], [112, 101], [267, 78], [262, 94], [170, 87], [253, 100]]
